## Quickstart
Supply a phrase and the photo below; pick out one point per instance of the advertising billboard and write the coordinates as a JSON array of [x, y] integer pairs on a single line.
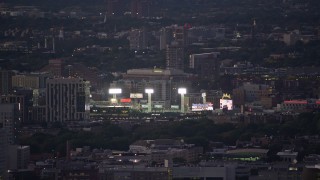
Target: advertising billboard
[[226, 104], [158, 106], [202, 107], [136, 95], [144, 106], [174, 106], [125, 100]]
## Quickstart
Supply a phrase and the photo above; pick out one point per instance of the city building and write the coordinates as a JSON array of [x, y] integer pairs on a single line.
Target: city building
[[5, 82], [205, 65], [220, 33], [3, 147], [138, 39], [198, 34], [22, 101], [221, 172], [67, 99], [167, 149], [32, 88], [134, 173], [300, 105], [88, 73], [291, 38], [141, 146], [55, 67], [18, 157], [30, 82], [311, 172], [165, 37], [175, 56], [37, 114], [249, 93], [180, 34], [269, 102], [88, 174], [227, 172], [202, 34], [288, 156], [9, 119], [187, 154], [174, 34]]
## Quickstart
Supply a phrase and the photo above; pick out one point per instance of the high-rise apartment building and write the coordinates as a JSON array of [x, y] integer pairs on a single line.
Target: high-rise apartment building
[[180, 35], [5, 82], [67, 99], [18, 157], [138, 39], [30, 94], [175, 56], [8, 121], [173, 34], [19, 101], [165, 37], [3, 146]]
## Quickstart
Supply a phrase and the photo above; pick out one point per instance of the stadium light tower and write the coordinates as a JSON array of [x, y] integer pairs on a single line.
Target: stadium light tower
[[149, 91], [204, 100], [182, 92], [114, 92]]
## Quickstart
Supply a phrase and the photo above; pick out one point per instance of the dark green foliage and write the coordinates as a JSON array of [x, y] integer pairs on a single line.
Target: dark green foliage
[[198, 132]]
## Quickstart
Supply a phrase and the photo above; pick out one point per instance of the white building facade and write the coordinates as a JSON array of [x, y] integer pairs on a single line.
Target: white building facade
[[67, 99]]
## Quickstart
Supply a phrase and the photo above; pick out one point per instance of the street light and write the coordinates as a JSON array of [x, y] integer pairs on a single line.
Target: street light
[[149, 92], [182, 91], [114, 92]]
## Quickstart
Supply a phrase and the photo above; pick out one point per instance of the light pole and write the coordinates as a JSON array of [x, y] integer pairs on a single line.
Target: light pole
[[182, 91], [204, 98], [114, 92], [149, 92]]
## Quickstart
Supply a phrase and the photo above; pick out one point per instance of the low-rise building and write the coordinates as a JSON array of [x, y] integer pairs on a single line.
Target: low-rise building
[[288, 155]]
